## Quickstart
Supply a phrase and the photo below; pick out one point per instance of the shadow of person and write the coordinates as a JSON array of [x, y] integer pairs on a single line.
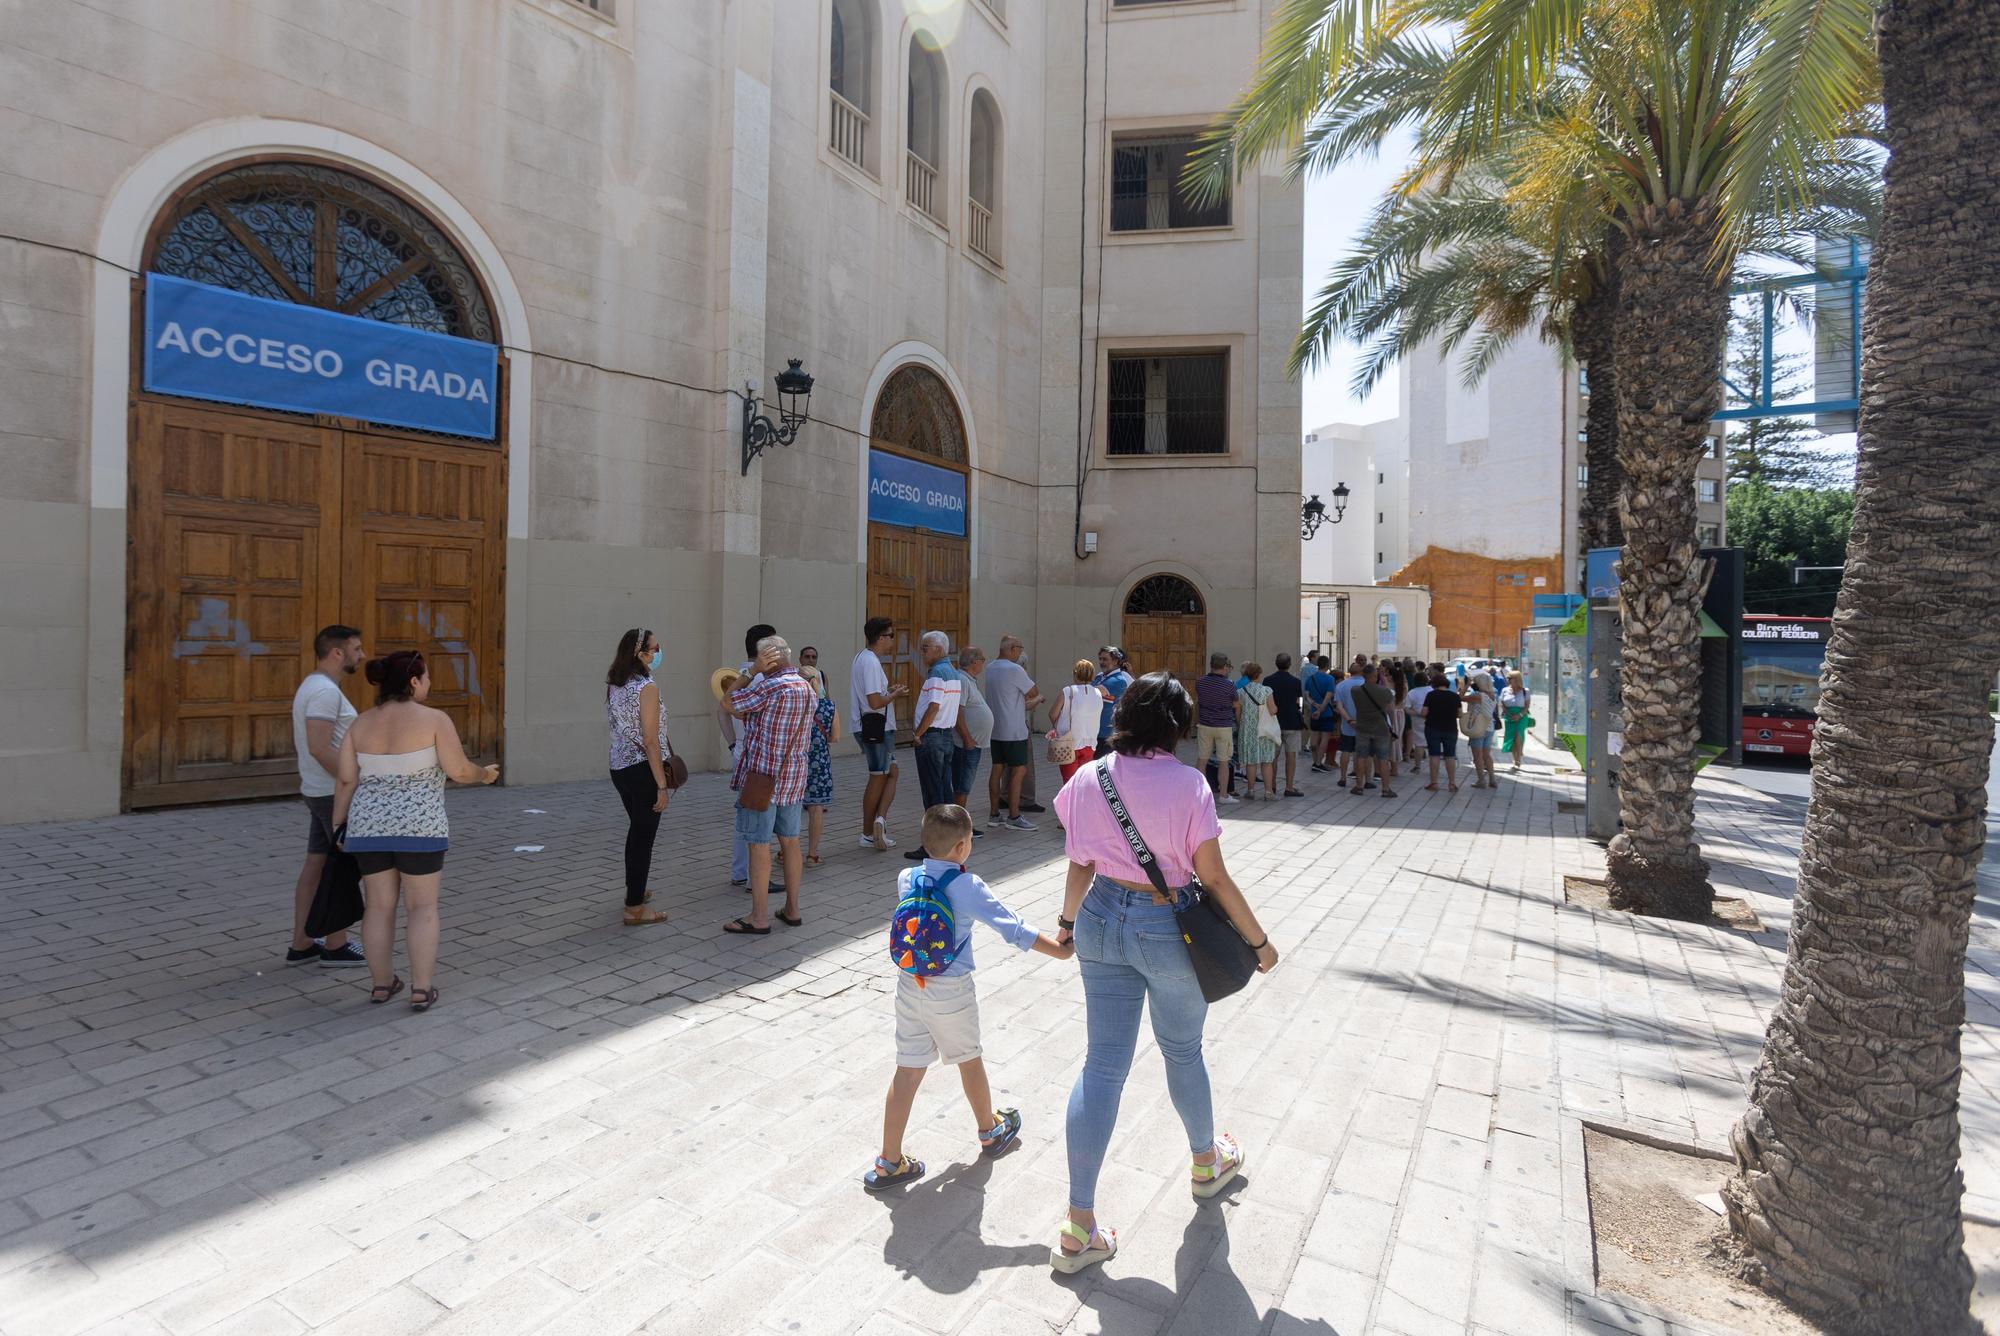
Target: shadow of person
[[934, 1231], [1206, 1294]]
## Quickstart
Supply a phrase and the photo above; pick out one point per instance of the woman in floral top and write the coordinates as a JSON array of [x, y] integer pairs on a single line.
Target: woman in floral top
[[819, 765]]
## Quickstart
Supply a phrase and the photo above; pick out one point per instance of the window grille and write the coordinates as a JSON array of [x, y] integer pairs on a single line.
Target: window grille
[[1158, 594], [1146, 194], [1168, 404]]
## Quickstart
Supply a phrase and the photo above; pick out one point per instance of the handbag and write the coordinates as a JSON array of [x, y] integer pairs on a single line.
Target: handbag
[[1062, 748], [677, 770], [874, 727], [337, 904], [1267, 723], [1223, 962]]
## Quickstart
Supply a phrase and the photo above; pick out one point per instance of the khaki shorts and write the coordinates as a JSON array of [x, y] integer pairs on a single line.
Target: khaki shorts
[[1214, 740], [939, 1020]]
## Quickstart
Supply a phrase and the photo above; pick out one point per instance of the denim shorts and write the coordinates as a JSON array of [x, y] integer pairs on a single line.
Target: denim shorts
[[880, 755], [964, 768], [319, 834], [1372, 746], [1442, 744], [778, 821], [1481, 741]]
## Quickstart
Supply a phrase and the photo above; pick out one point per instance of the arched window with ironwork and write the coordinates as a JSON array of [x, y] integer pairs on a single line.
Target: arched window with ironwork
[[322, 236], [1163, 595], [917, 413]]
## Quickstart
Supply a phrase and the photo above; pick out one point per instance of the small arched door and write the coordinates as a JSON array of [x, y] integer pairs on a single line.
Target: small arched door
[[1166, 627], [252, 526]]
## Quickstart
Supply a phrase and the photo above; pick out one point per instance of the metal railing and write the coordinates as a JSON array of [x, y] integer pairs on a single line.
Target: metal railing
[[979, 229], [920, 184], [850, 131]]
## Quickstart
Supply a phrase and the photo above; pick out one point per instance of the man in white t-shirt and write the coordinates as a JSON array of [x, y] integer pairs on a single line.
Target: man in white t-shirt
[[320, 716], [872, 716]]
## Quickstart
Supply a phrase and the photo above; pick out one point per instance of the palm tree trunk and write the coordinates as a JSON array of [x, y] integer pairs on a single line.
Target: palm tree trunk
[[1673, 313], [1596, 320], [1847, 1186]]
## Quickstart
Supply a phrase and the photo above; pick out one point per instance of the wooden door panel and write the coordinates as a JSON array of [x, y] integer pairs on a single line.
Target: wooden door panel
[[895, 582], [1162, 641], [230, 554]]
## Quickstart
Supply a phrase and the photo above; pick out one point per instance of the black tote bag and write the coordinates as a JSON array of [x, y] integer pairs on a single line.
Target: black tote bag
[[1223, 962], [337, 904]]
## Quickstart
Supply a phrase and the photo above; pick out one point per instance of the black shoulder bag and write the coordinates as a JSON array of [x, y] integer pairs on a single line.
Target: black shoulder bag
[[1223, 962]]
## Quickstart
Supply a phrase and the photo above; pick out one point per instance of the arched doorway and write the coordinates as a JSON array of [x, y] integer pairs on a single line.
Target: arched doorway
[[257, 516], [1166, 626], [919, 552]]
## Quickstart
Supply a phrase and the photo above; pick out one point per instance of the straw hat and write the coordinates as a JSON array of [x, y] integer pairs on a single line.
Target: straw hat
[[718, 681]]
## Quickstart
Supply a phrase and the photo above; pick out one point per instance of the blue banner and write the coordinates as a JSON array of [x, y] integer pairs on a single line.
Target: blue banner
[[210, 343], [910, 495]]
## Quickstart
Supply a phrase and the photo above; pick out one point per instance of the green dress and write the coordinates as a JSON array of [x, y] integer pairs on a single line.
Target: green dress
[[1251, 749], [1515, 715]]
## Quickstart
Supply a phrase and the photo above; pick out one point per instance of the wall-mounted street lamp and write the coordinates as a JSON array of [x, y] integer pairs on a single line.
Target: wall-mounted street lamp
[[1313, 513], [795, 389]]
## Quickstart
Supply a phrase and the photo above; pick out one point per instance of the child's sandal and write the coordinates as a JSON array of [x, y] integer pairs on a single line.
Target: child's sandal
[[996, 1139], [1069, 1263], [886, 1175]]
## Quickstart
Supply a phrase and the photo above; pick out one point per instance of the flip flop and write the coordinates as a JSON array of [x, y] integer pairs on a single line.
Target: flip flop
[[792, 922], [743, 927], [1069, 1263], [885, 1175]]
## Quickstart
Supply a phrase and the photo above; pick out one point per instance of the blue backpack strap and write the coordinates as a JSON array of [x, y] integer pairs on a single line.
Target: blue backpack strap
[[945, 880]]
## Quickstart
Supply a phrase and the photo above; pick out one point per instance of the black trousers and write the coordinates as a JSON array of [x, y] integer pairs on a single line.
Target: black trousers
[[638, 792]]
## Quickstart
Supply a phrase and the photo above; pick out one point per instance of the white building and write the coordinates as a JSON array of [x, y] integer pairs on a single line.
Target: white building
[[614, 215]]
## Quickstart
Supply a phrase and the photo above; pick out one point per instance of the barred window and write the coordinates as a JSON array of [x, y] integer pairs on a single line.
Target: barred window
[[1146, 193], [1169, 404]]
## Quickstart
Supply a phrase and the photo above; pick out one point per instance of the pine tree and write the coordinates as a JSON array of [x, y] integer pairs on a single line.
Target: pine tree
[[1777, 451]]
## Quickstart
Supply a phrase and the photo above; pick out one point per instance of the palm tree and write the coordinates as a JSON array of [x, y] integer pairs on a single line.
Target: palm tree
[[1669, 127], [1848, 1186]]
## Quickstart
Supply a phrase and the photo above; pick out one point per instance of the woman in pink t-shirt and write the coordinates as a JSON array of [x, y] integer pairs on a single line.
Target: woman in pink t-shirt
[[1130, 948]]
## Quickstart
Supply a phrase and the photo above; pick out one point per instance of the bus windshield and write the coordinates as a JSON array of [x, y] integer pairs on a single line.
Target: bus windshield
[[1781, 678]]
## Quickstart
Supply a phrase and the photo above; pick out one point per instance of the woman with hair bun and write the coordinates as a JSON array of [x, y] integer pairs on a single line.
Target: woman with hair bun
[[388, 811]]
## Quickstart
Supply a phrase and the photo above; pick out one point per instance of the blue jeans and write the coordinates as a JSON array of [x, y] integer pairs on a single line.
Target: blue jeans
[[935, 764], [1131, 953]]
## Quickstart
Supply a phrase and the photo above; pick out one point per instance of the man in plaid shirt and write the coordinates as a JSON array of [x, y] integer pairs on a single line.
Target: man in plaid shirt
[[776, 710]]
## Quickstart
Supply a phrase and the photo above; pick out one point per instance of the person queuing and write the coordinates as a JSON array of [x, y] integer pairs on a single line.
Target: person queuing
[[1013, 696], [939, 731], [819, 762], [977, 716], [1114, 674], [1514, 703], [1369, 708], [1258, 753], [776, 710], [389, 798], [1289, 694], [321, 716], [1480, 712], [739, 853], [872, 714], [1441, 709], [1323, 713], [1117, 923], [1215, 727], [1076, 715], [639, 755], [1343, 700]]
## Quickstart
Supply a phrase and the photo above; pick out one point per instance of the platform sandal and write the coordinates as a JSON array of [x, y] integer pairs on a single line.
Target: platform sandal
[[1099, 1245], [1210, 1179], [885, 1175]]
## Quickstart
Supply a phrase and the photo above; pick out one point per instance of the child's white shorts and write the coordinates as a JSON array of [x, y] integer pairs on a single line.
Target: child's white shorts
[[938, 1020]]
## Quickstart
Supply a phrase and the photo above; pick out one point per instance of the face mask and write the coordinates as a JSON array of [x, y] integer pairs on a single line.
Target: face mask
[[653, 663]]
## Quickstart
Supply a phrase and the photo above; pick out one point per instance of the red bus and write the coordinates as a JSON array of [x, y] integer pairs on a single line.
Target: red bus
[[1782, 658]]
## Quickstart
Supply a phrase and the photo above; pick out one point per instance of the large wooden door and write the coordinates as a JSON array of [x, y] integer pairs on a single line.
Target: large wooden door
[[248, 533], [921, 581], [424, 542]]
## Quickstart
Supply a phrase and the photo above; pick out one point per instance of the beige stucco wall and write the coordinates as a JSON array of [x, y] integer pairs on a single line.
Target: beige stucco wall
[[648, 198]]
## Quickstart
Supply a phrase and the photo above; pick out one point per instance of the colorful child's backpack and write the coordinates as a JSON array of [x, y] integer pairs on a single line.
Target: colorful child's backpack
[[923, 936]]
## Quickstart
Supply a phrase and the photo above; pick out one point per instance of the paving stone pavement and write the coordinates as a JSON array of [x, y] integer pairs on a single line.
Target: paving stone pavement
[[601, 1130]]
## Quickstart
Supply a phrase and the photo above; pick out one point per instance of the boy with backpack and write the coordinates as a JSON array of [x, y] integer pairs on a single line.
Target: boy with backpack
[[937, 1011]]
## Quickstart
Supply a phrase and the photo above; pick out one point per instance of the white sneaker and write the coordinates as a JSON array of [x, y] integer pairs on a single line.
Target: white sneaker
[[1229, 798], [1020, 823], [868, 841], [882, 840]]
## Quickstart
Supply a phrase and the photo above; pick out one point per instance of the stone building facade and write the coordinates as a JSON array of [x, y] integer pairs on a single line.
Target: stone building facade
[[960, 218]]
